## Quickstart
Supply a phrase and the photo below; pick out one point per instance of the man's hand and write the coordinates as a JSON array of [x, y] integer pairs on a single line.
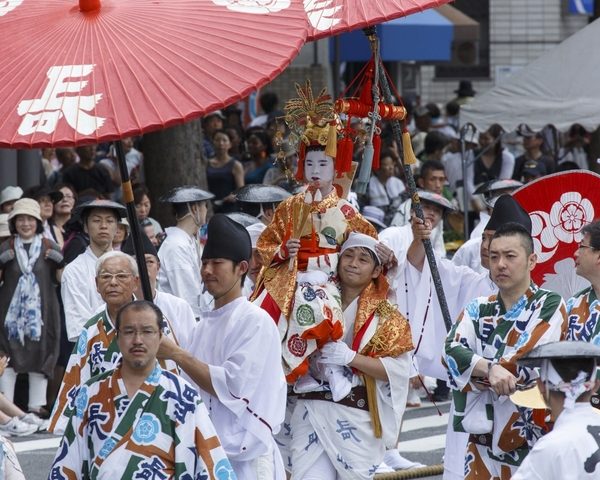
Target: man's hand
[[336, 353], [416, 382], [167, 349], [421, 228], [293, 247], [386, 255], [501, 380]]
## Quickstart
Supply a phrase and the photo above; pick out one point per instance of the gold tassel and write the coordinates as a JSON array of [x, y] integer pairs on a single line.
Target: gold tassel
[[331, 147], [373, 408], [409, 155]]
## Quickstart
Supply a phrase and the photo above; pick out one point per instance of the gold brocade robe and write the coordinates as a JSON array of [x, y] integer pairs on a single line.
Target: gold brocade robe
[[332, 219]]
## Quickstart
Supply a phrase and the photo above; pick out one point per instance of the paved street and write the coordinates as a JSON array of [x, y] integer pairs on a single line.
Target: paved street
[[423, 437]]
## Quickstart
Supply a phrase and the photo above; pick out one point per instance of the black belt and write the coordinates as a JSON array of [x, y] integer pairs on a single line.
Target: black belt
[[484, 439], [357, 398]]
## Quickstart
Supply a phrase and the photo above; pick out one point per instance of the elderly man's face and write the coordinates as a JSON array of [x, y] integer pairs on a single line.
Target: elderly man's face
[[116, 282]]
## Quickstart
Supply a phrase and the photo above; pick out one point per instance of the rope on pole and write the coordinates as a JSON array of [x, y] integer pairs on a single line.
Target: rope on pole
[[421, 472], [412, 187]]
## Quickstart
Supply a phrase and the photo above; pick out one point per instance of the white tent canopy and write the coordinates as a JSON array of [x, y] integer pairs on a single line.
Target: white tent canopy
[[560, 88]]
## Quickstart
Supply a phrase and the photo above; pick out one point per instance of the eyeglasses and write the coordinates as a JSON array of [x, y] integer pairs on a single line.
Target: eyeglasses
[[581, 246], [108, 277], [144, 333]]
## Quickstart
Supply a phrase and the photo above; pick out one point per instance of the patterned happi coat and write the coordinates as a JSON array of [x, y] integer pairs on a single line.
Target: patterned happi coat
[[485, 329], [307, 315], [96, 351], [162, 432], [583, 315]]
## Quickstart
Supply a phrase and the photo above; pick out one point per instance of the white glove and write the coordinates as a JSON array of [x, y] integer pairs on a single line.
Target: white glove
[[336, 353]]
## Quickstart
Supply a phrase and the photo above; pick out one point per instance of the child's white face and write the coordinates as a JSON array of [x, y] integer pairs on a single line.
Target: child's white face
[[319, 170]]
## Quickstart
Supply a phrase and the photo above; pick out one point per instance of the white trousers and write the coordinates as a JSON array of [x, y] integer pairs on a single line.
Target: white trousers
[[38, 383], [322, 469]]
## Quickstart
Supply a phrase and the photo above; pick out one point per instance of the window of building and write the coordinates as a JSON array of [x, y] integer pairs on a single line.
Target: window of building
[[470, 59]]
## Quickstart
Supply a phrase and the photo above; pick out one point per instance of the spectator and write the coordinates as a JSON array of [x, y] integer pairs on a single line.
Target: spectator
[[210, 124], [121, 235], [8, 197], [384, 186], [283, 175], [464, 93], [576, 148], [4, 231], [533, 143], [46, 200], [49, 162], [148, 229], [65, 158], [422, 126], [86, 174], [533, 170], [141, 199], [29, 310], [435, 143], [63, 210], [259, 159], [452, 114], [224, 174], [268, 102]]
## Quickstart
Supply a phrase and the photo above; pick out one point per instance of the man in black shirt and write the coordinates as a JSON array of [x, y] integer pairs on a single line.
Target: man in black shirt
[[86, 175]]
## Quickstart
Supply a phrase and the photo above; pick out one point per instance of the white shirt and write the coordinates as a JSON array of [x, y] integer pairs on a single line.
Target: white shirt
[[178, 312], [241, 345], [382, 195], [179, 272], [564, 453], [469, 255], [79, 293]]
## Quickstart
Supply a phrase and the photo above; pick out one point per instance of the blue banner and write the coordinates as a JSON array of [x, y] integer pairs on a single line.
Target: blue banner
[[581, 7]]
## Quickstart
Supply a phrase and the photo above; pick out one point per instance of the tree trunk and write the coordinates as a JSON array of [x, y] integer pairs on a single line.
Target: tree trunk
[[172, 158]]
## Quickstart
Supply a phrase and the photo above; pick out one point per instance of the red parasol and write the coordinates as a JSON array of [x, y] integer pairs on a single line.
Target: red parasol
[[560, 205], [130, 67], [332, 17]]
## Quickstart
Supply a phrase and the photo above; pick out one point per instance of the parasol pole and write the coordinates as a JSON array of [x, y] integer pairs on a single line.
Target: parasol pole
[[371, 34], [134, 225]]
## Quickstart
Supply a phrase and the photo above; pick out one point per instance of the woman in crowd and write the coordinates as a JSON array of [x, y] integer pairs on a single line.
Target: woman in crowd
[[224, 174], [62, 211], [29, 309], [141, 199], [260, 160]]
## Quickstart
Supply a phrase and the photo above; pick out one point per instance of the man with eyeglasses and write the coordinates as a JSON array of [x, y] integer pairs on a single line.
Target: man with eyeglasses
[[177, 310], [138, 420], [583, 308], [80, 297], [117, 279]]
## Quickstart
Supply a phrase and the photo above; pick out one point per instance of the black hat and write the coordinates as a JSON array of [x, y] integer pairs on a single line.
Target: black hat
[[492, 189], [150, 249], [120, 210], [186, 194], [227, 239], [507, 209], [559, 350], [260, 193], [465, 89], [41, 191]]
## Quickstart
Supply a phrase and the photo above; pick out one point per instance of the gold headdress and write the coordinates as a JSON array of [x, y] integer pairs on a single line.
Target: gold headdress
[[312, 121]]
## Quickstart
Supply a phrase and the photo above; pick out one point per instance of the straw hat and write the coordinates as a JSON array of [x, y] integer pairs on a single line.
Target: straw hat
[[26, 206]]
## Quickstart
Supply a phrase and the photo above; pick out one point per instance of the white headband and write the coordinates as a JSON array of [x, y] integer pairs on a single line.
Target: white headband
[[360, 240], [254, 231], [572, 389]]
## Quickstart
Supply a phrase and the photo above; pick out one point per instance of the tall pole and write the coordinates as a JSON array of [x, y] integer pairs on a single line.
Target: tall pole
[[134, 225], [371, 34]]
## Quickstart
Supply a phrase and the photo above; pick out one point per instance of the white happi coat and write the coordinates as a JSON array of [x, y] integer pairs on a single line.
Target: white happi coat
[[571, 451], [345, 433], [240, 343], [179, 272], [79, 293]]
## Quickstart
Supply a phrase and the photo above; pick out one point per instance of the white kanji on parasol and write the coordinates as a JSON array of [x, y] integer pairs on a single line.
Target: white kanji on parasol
[[58, 101]]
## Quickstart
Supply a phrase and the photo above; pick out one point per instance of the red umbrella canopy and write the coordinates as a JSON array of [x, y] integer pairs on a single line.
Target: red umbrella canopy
[[70, 76], [331, 17], [560, 205]]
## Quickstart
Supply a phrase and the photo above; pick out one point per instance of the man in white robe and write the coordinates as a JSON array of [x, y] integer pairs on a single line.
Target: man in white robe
[[180, 252], [78, 288], [234, 357], [347, 439], [571, 451]]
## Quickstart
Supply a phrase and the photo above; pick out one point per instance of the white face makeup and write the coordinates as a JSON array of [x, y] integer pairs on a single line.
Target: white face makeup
[[319, 170]]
